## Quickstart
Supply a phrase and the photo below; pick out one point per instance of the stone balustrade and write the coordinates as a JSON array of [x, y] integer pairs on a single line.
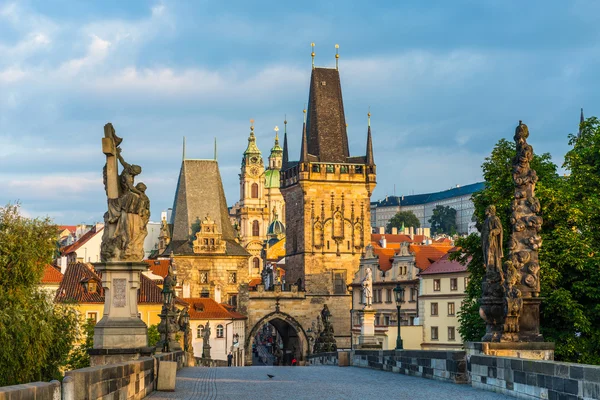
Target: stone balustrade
[[127, 380]]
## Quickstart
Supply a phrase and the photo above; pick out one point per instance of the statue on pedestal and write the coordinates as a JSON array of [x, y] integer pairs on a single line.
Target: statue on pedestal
[[367, 288], [128, 205], [325, 341], [206, 341]]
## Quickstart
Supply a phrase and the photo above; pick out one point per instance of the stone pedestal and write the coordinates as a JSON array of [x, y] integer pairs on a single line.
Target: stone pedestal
[[120, 335], [524, 350], [367, 339], [206, 351]]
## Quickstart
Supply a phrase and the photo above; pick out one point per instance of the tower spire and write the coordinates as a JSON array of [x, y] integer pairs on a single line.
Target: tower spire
[[581, 120], [304, 150], [337, 57], [369, 158], [215, 148], [312, 54], [285, 146], [183, 156]]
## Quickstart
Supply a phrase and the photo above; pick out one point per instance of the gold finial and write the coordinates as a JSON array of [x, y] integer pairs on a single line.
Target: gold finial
[[312, 54], [369, 116], [285, 123], [276, 129], [252, 125], [276, 134], [337, 56], [304, 112]]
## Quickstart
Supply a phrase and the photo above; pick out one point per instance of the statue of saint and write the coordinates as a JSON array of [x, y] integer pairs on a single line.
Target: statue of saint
[[206, 334], [367, 287], [491, 243]]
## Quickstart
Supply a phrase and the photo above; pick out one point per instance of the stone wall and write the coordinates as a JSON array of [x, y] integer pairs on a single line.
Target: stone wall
[[528, 379], [128, 380], [447, 366]]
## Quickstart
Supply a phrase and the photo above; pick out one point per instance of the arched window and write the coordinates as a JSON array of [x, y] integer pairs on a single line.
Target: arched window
[[256, 263], [199, 331], [219, 331], [254, 191], [255, 228]]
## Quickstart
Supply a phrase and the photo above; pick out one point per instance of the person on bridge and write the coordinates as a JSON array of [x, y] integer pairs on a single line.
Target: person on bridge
[[229, 359]]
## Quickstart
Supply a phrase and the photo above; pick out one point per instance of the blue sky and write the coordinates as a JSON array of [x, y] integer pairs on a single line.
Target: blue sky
[[444, 80]]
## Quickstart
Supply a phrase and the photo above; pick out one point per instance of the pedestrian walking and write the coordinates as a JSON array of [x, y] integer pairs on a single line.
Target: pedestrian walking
[[229, 359]]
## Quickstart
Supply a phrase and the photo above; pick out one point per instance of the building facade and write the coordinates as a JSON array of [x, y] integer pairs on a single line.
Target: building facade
[[441, 292], [422, 205]]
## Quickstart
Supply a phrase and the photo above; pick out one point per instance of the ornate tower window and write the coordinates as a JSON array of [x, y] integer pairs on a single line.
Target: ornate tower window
[[255, 228], [256, 262], [232, 277], [254, 191]]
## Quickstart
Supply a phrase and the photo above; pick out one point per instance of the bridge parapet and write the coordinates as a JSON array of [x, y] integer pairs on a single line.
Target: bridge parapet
[[277, 295]]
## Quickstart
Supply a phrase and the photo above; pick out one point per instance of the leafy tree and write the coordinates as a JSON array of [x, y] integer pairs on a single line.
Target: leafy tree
[[153, 335], [406, 218], [443, 220], [36, 335], [79, 357]]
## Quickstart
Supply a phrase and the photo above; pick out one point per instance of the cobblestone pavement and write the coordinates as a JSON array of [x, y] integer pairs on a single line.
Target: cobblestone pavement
[[248, 383]]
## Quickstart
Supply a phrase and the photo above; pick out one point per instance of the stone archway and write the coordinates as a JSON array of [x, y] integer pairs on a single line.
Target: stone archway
[[279, 320]]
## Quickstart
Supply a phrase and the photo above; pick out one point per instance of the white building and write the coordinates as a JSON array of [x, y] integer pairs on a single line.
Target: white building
[[422, 205], [86, 249]]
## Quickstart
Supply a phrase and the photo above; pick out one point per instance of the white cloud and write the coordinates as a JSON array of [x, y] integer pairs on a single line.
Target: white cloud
[[49, 187], [96, 53], [11, 75]]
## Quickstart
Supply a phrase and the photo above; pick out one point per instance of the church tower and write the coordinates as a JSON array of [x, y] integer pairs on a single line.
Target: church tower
[[253, 213], [327, 195], [273, 196]]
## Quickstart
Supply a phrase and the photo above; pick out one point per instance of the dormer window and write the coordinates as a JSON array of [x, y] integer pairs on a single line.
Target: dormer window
[[90, 285]]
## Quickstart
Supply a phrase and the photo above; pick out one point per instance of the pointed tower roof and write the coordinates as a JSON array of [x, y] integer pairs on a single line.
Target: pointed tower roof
[[369, 160], [286, 159], [252, 148], [276, 148], [304, 149], [326, 124], [199, 193]]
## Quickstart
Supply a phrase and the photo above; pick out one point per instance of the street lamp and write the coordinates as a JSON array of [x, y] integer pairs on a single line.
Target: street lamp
[[185, 318], [399, 292], [167, 297]]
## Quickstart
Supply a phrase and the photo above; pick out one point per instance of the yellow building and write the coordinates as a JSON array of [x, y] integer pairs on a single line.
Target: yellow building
[[442, 291], [82, 286]]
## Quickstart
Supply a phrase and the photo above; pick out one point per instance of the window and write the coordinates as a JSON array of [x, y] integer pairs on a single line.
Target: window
[[339, 282], [374, 299], [436, 285], [377, 319], [413, 293], [232, 277], [232, 299], [466, 282], [434, 308], [199, 331], [453, 283], [93, 316], [254, 191], [316, 168], [219, 331], [255, 228], [451, 309], [434, 333], [203, 276], [256, 263], [205, 293], [330, 168], [412, 321], [343, 169], [386, 320], [451, 333], [388, 296]]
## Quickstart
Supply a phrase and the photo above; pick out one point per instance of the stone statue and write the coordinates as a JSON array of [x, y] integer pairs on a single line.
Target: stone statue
[[206, 333], [128, 205], [325, 340], [367, 287], [491, 243]]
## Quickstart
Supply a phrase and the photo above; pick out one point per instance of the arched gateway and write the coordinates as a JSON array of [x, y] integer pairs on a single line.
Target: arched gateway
[[290, 330]]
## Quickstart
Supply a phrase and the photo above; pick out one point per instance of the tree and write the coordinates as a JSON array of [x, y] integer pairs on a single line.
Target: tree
[[36, 335], [403, 218], [153, 335], [79, 357], [443, 220]]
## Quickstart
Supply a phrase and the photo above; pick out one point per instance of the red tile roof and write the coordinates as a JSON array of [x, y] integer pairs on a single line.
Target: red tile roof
[[70, 228], [425, 255], [444, 266], [159, 267], [51, 275], [206, 308], [82, 240], [71, 288], [255, 282]]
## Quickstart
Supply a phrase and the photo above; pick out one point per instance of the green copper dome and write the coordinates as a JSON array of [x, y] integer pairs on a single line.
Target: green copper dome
[[276, 228], [271, 178]]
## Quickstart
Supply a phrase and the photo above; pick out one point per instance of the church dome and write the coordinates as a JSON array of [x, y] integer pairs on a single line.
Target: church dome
[[271, 178], [276, 228]]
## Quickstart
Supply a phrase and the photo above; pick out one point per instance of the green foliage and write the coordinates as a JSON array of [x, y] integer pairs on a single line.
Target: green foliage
[[406, 218], [443, 220], [36, 335], [79, 357], [153, 335]]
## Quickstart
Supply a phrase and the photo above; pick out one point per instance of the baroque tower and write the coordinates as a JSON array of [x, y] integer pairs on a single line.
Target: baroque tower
[[327, 196], [253, 213], [273, 196]]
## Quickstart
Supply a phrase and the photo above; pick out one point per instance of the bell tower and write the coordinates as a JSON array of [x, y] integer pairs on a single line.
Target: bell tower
[[253, 213]]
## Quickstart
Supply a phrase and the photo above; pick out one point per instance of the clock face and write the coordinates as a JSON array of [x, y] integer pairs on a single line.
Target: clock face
[[254, 171], [254, 160]]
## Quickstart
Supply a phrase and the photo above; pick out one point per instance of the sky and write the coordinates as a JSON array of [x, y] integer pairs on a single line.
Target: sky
[[444, 82]]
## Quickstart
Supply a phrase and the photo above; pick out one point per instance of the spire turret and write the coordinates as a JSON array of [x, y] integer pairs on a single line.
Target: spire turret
[[581, 119], [369, 158], [304, 150], [252, 148], [285, 146]]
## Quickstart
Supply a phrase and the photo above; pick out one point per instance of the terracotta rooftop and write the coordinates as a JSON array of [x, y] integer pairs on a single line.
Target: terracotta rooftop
[[206, 308], [82, 240], [71, 288], [51, 275], [70, 228], [425, 255], [159, 267], [444, 266], [254, 282], [400, 238]]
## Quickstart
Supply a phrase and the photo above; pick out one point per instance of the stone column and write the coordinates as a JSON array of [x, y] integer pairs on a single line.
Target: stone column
[[120, 335]]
